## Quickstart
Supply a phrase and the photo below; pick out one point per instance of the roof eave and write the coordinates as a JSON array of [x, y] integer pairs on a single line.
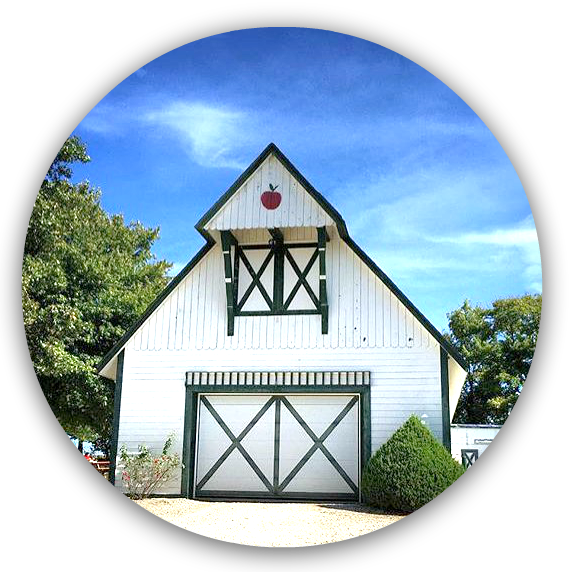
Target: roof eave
[[342, 231], [153, 305]]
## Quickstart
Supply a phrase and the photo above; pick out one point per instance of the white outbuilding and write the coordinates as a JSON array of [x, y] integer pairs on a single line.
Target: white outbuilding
[[469, 441], [281, 356]]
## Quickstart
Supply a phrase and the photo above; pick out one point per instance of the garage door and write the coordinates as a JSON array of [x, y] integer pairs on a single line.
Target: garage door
[[278, 446]]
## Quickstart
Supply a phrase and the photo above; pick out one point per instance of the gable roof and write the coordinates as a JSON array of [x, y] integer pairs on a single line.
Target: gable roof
[[331, 214], [243, 207]]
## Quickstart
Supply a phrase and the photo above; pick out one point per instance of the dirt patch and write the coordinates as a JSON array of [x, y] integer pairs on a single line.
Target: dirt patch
[[271, 523]]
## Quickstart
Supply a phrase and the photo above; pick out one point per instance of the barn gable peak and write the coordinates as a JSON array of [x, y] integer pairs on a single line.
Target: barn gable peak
[[271, 193]]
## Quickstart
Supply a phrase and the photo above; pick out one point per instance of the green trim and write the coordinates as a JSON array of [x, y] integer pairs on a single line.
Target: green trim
[[277, 445], [279, 313], [342, 231], [255, 279], [235, 277], [365, 422], [301, 275], [276, 234], [288, 245], [227, 239], [116, 418], [278, 277], [188, 456], [445, 408], [190, 433], [154, 305], [270, 497], [322, 239]]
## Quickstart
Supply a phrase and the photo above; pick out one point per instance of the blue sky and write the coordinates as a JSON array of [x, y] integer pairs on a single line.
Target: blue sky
[[423, 185]]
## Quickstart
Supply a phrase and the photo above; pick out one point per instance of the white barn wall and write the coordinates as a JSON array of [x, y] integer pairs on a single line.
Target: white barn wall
[[153, 394], [363, 312], [369, 329]]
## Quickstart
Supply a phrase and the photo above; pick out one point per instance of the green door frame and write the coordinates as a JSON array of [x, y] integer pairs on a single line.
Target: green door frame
[[191, 415]]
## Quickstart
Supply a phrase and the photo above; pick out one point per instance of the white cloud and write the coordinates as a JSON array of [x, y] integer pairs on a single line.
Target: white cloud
[[500, 244], [211, 134], [513, 249], [520, 237], [507, 260], [102, 120]]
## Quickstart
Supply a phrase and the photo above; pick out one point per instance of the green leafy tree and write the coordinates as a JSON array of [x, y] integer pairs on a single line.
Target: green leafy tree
[[498, 343], [86, 277]]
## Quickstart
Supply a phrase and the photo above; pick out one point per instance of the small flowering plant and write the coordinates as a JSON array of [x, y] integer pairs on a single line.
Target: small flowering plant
[[144, 473]]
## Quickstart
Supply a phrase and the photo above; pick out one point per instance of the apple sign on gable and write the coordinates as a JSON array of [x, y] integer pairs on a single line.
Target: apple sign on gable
[[271, 199]]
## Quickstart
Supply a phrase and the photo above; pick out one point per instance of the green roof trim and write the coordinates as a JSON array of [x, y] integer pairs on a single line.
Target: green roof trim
[[158, 300], [342, 231], [271, 148]]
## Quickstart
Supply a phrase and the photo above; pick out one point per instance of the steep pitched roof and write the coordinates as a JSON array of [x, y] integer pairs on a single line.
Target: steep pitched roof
[[315, 209], [269, 180], [325, 214]]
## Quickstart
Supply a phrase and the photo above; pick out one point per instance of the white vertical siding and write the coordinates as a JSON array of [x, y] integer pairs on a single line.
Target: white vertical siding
[[363, 312], [244, 209], [369, 329]]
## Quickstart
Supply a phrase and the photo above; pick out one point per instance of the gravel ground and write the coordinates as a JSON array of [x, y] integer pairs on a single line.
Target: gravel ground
[[270, 523]]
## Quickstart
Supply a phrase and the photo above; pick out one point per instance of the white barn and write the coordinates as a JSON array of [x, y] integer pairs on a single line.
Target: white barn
[[281, 356]]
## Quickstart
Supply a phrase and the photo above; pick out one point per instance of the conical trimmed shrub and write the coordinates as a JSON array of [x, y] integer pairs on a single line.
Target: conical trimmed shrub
[[409, 470]]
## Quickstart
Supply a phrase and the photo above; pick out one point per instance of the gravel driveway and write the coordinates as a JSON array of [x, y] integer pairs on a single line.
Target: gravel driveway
[[270, 523]]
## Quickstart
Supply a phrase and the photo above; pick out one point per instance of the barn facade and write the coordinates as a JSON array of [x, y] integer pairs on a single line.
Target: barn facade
[[281, 356]]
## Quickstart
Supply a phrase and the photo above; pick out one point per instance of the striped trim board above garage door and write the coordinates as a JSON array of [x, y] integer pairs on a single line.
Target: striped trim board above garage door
[[278, 435], [277, 377]]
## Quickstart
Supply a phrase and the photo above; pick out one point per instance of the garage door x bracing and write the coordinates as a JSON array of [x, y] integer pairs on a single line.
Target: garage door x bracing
[[278, 446]]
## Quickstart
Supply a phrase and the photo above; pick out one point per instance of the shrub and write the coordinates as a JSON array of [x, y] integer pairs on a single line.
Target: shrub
[[409, 470], [143, 473]]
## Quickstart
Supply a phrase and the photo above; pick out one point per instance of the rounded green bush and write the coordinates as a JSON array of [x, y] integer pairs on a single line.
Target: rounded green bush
[[409, 470]]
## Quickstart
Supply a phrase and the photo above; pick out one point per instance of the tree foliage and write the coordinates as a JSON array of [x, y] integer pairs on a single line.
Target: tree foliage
[[498, 343], [86, 277]]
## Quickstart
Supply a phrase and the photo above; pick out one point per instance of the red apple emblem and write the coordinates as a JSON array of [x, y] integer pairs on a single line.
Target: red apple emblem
[[271, 199]]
